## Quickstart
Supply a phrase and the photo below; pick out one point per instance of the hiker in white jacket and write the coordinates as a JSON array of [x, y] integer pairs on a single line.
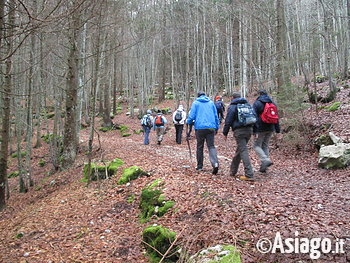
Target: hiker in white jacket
[[179, 117]]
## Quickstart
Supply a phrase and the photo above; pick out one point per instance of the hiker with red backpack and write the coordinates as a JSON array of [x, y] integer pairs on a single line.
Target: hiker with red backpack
[[267, 123], [179, 117], [159, 122]]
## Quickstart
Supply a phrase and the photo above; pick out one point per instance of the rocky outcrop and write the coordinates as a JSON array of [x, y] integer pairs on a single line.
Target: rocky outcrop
[[334, 156]]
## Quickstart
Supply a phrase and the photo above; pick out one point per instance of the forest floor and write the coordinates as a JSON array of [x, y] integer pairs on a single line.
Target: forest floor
[[61, 219]]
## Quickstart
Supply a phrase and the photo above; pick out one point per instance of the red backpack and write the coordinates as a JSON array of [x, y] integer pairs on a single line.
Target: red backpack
[[269, 114], [159, 121]]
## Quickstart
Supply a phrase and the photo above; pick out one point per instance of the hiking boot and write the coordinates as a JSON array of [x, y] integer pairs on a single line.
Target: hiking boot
[[158, 143], [215, 169], [199, 169], [246, 178], [264, 166]]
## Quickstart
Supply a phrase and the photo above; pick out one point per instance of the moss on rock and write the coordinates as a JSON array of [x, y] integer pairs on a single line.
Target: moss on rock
[[153, 202], [324, 139], [130, 174], [100, 171], [161, 239]]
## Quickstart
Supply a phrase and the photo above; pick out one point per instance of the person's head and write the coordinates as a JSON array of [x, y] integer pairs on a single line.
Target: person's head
[[159, 112], [149, 112], [200, 93], [236, 95], [262, 92], [181, 107]]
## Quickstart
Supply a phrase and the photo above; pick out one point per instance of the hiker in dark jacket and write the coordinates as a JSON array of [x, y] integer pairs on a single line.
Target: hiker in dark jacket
[[220, 107], [242, 135], [263, 131], [206, 123]]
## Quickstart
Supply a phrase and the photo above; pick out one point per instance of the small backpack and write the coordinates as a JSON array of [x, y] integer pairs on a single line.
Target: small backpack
[[146, 121], [246, 114], [218, 105], [159, 121], [178, 116], [269, 114]]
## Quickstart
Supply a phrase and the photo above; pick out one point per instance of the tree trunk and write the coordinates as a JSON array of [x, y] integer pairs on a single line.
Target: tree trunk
[[70, 144], [5, 128], [280, 45]]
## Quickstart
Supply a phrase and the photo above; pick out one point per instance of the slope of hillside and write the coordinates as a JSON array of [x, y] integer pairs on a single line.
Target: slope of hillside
[[63, 220]]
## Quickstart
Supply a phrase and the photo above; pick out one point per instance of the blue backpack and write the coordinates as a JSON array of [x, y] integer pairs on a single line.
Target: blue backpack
[[246, 114]]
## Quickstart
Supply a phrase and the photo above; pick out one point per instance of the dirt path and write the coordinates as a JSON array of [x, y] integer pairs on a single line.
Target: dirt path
[[66, 221]]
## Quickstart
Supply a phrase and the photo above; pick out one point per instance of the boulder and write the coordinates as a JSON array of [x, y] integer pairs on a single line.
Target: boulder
[[218, 253], [327, 139], [334, 156], [335, 139]]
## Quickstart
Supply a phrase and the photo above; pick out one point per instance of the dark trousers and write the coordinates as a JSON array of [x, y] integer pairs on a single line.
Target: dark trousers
[[220, 114], [206, 135], [178, 129], [242, 136]]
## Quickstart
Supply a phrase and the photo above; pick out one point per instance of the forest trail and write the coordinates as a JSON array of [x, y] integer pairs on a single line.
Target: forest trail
[[70, 222]]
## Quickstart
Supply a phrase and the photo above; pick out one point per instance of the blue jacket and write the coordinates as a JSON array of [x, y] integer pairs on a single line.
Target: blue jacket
[[204, 114], [258, 107], [232, 115]]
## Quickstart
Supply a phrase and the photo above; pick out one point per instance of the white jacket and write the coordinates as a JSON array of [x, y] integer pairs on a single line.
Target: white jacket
[[182, 122]]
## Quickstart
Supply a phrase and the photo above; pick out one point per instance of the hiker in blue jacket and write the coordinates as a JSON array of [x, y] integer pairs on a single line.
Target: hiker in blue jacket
[[242, 135], [263, 131], [206, 123]]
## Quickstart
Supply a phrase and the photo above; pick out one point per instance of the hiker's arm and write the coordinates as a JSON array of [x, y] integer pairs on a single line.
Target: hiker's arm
[[229, 120]]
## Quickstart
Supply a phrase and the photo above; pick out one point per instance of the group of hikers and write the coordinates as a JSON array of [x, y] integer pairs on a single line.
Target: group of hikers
[[260, 119]]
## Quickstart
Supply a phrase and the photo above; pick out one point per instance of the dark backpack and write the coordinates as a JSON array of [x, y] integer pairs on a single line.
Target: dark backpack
[[146, 121], [219, 105], [269, 114], [178, 116], [246, 114], [158, 121]]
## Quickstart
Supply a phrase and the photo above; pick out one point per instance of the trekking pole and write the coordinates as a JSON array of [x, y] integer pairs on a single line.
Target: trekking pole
[[188, 142]]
